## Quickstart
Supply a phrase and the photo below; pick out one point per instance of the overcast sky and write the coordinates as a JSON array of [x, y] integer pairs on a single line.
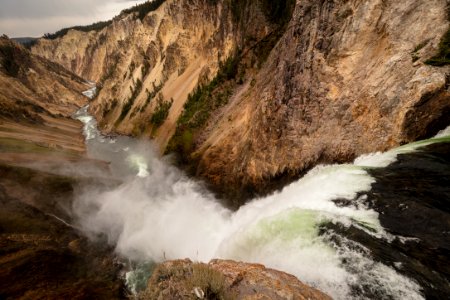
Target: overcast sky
[[23, 18]]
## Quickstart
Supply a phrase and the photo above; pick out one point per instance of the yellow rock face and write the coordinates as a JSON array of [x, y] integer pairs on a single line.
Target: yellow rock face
[[164, 56], [37, 98], [343, 79]]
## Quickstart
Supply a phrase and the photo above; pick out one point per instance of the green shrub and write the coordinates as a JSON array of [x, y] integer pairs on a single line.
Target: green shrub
[[8, 53], [237, 9], [110, 107], [442, 58], [125, 109], [161, 112], [110, 69], [134, 93], [143, 9], [210, 281], [200, 103], [187, 140], [152, 94], [278, 11], [179, 280]]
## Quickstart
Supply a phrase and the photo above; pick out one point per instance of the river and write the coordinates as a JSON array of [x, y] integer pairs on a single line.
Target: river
[[375, 228]]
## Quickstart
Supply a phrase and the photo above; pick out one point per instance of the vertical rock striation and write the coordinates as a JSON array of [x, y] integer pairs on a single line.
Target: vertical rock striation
[[340, 79], [341, 82]]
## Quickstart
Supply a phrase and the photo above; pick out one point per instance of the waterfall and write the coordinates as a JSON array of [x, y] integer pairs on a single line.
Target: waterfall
[[158, 213]]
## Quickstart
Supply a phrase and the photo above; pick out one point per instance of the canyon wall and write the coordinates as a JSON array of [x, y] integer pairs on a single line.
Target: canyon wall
[[42, 255], [37, 99], [335, 80], [342, 81], [142, 65]]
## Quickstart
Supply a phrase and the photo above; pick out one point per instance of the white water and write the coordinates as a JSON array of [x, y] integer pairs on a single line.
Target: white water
[[90, 93], [158, 214], [381, 160]]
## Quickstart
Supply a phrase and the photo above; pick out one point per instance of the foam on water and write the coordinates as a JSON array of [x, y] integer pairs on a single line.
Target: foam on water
[[91, 92], [90, 130], [384, 159], [158, 214], [443, 133], [139, 163]]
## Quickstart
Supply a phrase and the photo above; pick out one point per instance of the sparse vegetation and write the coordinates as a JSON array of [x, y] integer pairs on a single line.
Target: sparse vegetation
[[442, 58], [13, 58], [237, 7], [93, 27], [180, 280], [8, 52], [125, 110], [161, 112], [209, 97], [143, 9], [131, 68], [201, 103], [420, 46], [210, 281], [414, 54], [145, 68], [112, 105], [134, 93], [111, 69], [152, 94], [276, 11]]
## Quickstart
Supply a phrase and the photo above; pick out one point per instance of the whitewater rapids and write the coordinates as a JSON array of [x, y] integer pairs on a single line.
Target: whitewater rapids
[[157, 213]]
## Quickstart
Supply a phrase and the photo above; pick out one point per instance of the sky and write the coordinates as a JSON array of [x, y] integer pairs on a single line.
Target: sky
[[33, 18]]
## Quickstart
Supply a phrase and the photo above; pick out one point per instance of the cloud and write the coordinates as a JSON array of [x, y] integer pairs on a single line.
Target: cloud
[[34, 18]]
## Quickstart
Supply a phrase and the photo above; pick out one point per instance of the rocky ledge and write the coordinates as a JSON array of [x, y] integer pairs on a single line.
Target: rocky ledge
[[224, 279]]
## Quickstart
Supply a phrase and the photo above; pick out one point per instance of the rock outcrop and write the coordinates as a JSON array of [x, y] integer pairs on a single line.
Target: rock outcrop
[[341, 82], [340, 79], [224, 279]]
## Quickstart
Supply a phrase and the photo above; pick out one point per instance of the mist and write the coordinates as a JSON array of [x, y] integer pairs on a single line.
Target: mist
[[150, 211], [157, 213]]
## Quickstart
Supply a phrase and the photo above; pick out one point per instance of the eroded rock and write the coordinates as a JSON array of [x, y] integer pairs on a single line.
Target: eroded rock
[[224, 279]]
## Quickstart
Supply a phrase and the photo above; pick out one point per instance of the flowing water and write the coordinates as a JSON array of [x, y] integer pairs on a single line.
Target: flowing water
[[335, 229]]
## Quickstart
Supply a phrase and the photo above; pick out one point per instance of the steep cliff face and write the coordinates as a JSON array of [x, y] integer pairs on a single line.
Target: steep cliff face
[[346, 78], [149, 66], [28, 80], [340, 79]]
